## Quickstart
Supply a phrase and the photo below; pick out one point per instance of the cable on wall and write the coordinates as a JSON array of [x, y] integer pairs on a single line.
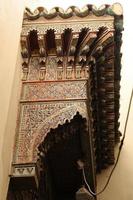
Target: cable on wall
[[118, 156]]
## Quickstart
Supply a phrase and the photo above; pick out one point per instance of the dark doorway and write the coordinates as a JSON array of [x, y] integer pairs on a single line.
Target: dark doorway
[[63, 148]]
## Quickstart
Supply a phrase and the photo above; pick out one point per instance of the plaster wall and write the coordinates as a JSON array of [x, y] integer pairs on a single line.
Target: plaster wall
[[120, 186], [11, 14]]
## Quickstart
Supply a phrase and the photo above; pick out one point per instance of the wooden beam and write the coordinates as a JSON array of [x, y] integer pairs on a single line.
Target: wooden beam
[[42, 46], [87, 40], [69, 43], [59, 46], [25, 46], [72, 43], [103, 40]]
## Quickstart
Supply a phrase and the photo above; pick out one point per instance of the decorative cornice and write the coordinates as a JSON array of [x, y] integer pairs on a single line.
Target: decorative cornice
[[113, 10], [60, 28]]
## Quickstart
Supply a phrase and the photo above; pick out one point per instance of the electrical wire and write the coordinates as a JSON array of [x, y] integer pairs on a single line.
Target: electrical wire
[[120, 147]]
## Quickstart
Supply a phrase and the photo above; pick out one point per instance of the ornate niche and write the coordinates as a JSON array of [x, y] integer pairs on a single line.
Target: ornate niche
[[69, 100]]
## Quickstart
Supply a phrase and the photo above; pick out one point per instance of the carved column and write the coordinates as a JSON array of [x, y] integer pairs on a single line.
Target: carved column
[[24, 181], [91, 121]]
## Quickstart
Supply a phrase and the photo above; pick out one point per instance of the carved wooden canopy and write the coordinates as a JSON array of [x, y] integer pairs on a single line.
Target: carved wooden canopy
[[71, 68]]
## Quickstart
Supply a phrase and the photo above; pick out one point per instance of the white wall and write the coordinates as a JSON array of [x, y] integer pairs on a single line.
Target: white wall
[[120, 186], [11, 15]]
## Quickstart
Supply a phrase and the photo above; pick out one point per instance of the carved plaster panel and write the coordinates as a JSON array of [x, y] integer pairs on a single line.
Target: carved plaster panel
[[34, 69], [51, 71], [51, 68], [36, 119], [93, 25], [54, 91]]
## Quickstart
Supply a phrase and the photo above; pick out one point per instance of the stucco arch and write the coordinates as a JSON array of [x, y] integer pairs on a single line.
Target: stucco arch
[[52, 122]]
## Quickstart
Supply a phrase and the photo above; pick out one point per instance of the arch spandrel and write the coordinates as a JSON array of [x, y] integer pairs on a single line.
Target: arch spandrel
[[36, 121], [53, 121]]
